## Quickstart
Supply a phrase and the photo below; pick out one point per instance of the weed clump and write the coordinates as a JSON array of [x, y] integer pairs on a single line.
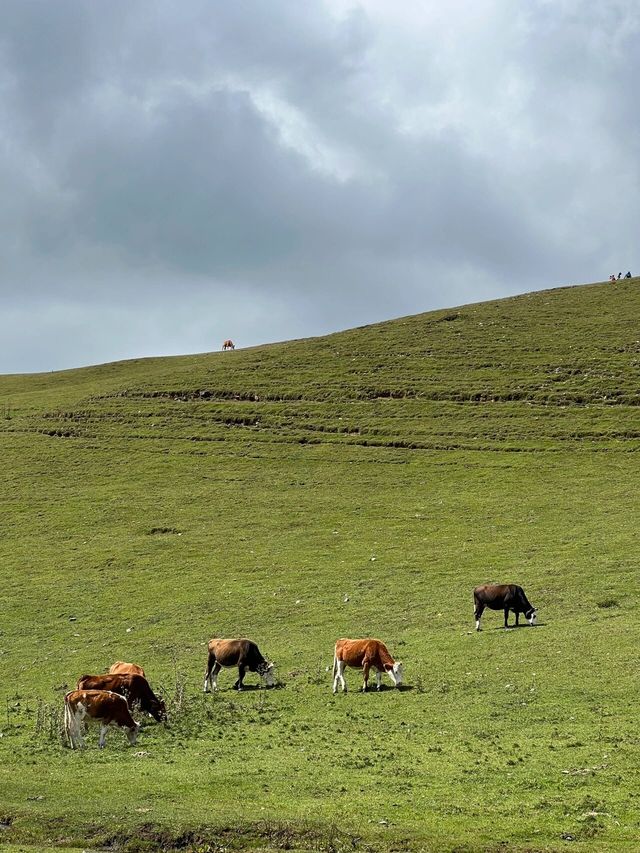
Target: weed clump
[[49, 725]]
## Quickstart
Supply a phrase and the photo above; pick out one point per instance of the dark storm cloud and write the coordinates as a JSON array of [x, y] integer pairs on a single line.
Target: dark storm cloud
[[274, 169]]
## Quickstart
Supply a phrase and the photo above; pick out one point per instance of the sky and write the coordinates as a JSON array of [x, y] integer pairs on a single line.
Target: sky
[[175, 174]]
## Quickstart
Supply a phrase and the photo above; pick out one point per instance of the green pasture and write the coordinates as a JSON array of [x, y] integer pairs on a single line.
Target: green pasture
[[359, 484]]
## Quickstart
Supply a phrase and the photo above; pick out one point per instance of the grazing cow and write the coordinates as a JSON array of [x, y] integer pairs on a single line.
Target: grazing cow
[[122, 668], [241, 653], [507, 596], [99, 706], [364, 654], [228, 344], [134, 688]]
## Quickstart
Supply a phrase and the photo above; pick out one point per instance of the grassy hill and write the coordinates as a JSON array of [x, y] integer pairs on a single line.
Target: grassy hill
[[149, 505]]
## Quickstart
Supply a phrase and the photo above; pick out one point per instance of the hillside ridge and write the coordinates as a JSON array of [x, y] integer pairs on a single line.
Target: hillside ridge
[[467, 377], [580, 290]]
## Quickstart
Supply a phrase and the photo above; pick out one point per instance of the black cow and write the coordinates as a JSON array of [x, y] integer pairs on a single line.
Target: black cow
[[242, 653], [507, 596]]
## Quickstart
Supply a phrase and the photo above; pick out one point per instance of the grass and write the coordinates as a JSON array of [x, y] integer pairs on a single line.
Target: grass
[[149, 505]]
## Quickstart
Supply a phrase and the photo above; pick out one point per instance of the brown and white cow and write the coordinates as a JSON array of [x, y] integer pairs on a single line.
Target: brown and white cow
[[242, 653], [120, 667], [99, 706], [506, 596], [228, 344], [134, 688], [364, 654]]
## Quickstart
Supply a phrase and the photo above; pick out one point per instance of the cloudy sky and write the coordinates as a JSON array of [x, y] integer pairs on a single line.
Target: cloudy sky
[[177, 173]]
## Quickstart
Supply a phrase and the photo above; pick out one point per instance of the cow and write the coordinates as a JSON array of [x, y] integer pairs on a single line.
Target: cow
[[228, 344], [134, 688], [242, 653], [120, 667], [99, 706], [365, 654], [508, 596]]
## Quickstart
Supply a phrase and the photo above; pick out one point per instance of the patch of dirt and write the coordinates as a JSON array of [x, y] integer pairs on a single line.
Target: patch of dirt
[[264, 835], [163, 531]]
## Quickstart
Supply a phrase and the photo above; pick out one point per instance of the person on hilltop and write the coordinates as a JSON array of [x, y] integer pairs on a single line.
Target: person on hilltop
[[619, 275]]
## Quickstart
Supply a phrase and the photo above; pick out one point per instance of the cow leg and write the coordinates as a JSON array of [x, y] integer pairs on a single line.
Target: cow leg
[[340, 666], [72, 727], [213, 676], [366, 666], [378, 680], [68, 724], [211, 660], [517, 618], [242, 671], [77, 738], [103, 735], [336, 675], [506, 617], [479, 608]]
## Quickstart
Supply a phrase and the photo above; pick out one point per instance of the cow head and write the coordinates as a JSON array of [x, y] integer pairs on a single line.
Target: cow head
[[158, 710], [132, 734], [396, 673], [266, 671], [531, 616]]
